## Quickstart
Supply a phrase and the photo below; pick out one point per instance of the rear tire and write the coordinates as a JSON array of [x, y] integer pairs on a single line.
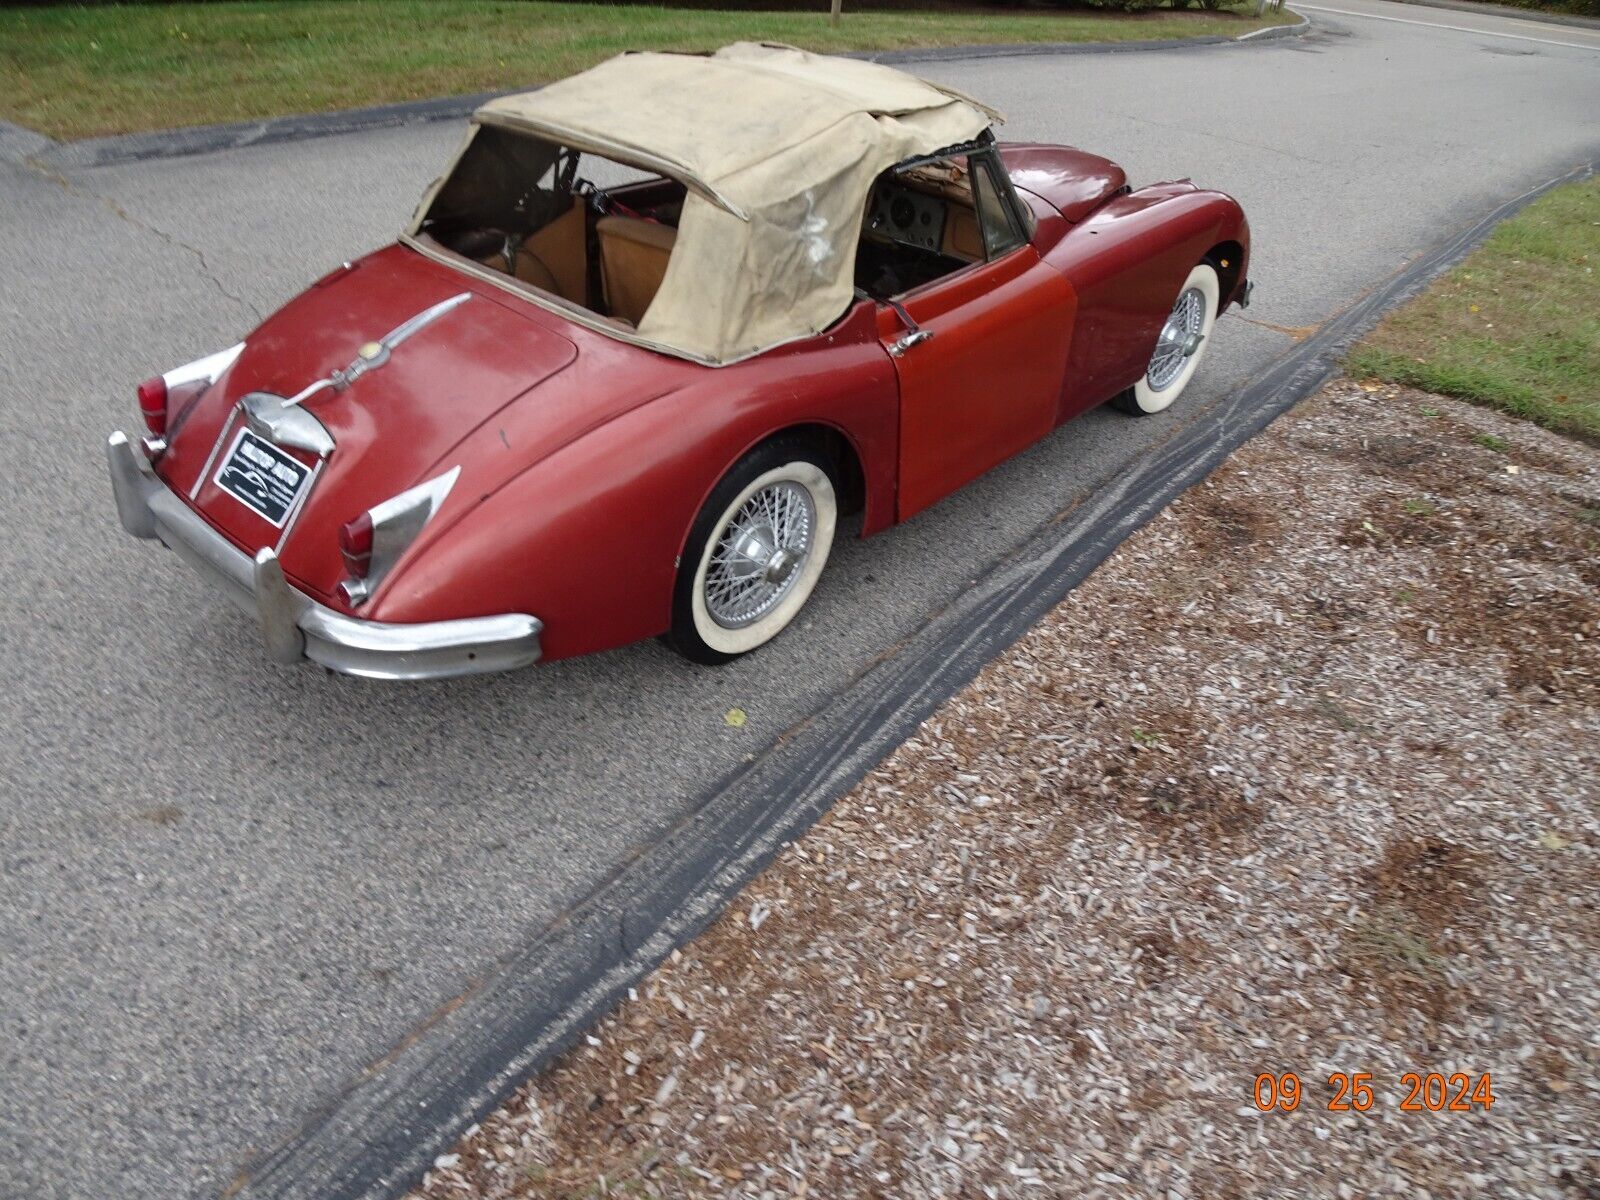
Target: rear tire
[[755, 552], [1170, 370]]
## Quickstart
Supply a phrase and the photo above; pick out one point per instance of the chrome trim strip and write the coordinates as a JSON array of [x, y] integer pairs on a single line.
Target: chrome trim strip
[[299, 505], [422, 320], [205, 471], [373, 355], [296, 627], [305, 393], [207, 368]]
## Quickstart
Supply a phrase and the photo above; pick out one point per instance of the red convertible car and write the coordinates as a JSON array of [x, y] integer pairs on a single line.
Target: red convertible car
[[658, 329]]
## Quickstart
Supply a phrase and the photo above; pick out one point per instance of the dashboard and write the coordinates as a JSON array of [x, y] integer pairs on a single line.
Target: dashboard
[[908, 217]]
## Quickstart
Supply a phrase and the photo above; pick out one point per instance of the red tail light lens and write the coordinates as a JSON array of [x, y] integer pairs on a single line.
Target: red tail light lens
[[368, 562], [355, 543], [153, 405]]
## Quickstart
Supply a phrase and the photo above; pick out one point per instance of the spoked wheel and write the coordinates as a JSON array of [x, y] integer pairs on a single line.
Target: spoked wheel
[[755, 553], [1180, 346]]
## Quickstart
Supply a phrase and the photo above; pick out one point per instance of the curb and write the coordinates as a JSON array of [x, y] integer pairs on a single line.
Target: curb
[[382, 1133], [17, 144], [207, 139], [23, 146], [1029, 49], [1571, 20]]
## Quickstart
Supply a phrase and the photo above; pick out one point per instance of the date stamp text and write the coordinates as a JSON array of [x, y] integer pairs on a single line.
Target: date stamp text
[[1416, 1091]]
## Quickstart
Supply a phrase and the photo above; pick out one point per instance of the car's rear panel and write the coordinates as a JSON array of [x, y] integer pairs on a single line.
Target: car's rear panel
[[392, 428]]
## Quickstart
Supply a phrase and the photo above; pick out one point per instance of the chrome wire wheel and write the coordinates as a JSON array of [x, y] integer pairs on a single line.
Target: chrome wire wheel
[[1182, 343], [1180, 338], [756, 554], [760, 554]]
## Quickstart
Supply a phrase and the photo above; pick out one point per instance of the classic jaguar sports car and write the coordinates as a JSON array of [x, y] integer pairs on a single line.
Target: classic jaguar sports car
[[658, 329]]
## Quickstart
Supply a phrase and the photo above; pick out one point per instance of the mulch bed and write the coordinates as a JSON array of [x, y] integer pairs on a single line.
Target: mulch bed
[[1302, 779]]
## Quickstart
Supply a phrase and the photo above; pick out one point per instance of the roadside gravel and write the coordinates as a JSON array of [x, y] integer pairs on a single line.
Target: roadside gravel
[[1302, 779]]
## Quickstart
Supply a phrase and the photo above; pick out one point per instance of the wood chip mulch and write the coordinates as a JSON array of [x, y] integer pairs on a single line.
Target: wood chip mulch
[[1305, 778]]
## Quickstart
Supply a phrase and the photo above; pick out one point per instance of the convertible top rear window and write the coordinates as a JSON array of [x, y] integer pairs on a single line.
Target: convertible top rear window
[[771, 188]]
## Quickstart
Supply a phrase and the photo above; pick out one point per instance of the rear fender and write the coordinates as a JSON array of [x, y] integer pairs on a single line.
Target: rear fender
[[589, 539]]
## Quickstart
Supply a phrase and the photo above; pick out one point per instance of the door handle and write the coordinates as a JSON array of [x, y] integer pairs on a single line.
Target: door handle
[[915, 338]]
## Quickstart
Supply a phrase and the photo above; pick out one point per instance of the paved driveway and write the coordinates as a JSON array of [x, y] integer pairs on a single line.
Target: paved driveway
[[226, 888]]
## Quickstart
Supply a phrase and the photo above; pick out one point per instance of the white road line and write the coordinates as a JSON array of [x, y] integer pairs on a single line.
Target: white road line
[[1245, 37], [1520, 37]]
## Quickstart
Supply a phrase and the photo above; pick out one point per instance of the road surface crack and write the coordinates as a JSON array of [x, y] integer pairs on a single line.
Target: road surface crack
[[1233, 141], [115, 208]]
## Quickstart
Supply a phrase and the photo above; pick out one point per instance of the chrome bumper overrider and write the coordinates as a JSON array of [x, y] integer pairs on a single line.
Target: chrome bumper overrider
[[294, 625]]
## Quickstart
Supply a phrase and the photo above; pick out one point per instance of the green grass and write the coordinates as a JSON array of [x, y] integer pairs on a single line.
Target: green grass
[[1516, 326], [77, 72], [1581, 8]]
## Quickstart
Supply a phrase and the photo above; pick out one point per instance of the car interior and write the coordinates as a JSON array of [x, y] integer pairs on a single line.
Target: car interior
[[606, 249], [930, 218]]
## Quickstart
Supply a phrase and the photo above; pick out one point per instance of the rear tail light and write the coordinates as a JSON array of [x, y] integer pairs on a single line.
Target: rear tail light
[[166, 400], [355, 544], [153, 405], [372, 543]]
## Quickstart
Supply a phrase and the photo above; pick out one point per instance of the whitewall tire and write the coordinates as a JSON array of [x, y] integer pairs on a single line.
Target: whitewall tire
[[756, 552], [1182, 343]]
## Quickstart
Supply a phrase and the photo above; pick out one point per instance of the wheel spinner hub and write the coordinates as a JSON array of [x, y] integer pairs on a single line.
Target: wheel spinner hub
[[1179, 341], [759, 554]]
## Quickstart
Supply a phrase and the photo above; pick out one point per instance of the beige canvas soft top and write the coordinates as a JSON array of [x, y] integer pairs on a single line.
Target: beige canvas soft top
[[778, 148]]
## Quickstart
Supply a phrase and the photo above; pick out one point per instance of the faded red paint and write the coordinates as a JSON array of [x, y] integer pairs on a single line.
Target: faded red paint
[[584, 460]]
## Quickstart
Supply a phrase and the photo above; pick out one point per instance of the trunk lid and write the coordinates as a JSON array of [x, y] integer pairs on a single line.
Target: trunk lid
[[394, 425]]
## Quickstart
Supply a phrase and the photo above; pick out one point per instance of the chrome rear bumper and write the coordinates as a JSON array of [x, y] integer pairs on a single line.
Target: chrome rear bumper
[[293, 625]]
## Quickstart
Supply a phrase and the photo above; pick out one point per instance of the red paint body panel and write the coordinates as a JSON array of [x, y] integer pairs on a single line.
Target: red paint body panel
[[988, 383], [1049, 225], [584, 459], [1073, 181], [589, 539], [1127, 264]]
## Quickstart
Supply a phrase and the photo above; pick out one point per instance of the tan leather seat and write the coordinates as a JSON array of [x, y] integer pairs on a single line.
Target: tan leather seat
[[963, 236], [553, 258], [529, 268], [563, 253], [633, 260]]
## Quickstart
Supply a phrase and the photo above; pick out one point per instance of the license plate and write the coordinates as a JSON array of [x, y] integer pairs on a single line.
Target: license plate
[[262, 478]]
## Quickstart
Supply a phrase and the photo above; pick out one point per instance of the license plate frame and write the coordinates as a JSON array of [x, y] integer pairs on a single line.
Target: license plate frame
[[263, 478]]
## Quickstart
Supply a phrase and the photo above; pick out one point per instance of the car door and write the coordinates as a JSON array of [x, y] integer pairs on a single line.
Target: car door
[[980, 354]]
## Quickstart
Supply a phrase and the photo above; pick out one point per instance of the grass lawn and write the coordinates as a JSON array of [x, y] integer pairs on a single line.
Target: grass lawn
[[77, 72], [1579, 8], [1516, 326]]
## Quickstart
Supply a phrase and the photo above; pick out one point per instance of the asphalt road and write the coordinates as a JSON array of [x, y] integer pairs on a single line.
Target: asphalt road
[[226, 888]]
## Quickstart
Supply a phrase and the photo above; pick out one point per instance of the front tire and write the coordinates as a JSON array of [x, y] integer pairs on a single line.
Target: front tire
[[1177, 355], [755, 553]]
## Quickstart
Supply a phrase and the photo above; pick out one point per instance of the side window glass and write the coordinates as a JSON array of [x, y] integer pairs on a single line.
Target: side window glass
[[999, 231]]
